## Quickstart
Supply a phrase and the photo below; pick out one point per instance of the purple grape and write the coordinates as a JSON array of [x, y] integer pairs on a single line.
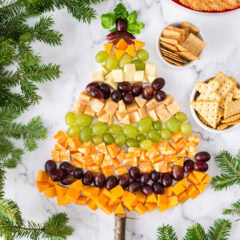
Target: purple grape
[[158, 83], [78, 173], [121, 25], [203, 156], [67, 180], [200, 166], [177, 172], [91, 86], [157, 188], [125, 87], [66, 167], [106, 90], [88, 178], [147, 92], [155, 176], [50, 165], [99, 181], [128, 99], [188, 166], [111, 182], [124, 180], [134, 187], [97, 93], [116, 96], [166, 180], [147, 189], [134, 173], [57, 175], [136, 89], [144, 178], [160, 95]]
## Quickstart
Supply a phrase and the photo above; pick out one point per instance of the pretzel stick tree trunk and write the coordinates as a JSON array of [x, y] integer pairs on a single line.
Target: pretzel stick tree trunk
[[120, 224]]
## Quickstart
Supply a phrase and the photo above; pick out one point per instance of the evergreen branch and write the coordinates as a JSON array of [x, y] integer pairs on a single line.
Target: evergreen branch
[[224, 181], [7, 115], [220, 230], [228, 163], [234, 210], [9, 155], [10, 211], [8, 79], [196, 232], [166, 232], [2, 181]]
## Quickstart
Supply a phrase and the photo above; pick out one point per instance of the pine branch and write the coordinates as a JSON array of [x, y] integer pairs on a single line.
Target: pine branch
[[230, 167], [166, 232], [2, 181], [196, 232], [10, 211], [234, 210], [220, 230], [7, 115]]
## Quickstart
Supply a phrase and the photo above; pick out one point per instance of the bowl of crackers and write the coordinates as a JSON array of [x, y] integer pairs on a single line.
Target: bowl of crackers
[[180, 44], [215, 104]]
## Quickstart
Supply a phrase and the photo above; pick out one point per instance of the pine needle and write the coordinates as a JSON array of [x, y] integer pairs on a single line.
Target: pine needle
[[220, 230], [166, 232], [196, 232], [234, 210]]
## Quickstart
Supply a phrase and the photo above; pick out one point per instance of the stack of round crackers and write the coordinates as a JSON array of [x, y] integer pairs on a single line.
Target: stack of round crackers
[[217, 102], [211, 5], [180, 44]]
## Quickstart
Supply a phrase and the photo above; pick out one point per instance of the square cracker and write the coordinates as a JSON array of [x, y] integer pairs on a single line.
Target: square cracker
[[226, 84], [226, 99], [194, 44], [232, 108], [171, 34], [231, 119], [191, 27], [225, 125], [208, 110]]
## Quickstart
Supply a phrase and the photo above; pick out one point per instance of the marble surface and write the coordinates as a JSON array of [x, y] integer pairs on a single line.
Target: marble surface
[[76, 57]]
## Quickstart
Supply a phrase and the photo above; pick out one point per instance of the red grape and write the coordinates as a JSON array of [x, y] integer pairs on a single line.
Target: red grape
[[147, 92], [125, 87], [157, 188], [97, 93], [200, 166], [116, 96], [105, 89], [111, 182], [134, 173], [160, 95], [203, 156], [134, 187], [124, 180], [137, 89], [91, 86], [128, 99], [158, 83], [121, 25], [78, 173], [166, 180], [147, 189], [88, 178], [67, 180], [177, 172], [155, 176], [99, 181], [50, 165], [57, 175], [144, 178], [67, 167], [188, 166]]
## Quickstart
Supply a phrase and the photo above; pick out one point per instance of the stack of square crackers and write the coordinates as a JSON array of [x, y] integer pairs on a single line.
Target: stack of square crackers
[[217, 102], [180, 45]]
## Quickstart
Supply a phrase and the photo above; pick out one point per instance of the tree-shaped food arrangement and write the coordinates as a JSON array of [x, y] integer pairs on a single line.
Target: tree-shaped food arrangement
[[128, 146]]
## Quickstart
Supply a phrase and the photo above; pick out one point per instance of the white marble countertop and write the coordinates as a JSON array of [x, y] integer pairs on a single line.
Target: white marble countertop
[[76, 56]]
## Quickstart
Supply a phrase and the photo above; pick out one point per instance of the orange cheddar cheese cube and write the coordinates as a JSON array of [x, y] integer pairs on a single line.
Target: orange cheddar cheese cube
[[199, 175], [117, 191], [172, 201], [140, 208], [42, 186], [77, 163], [201, 187], [191, 178], [72, 195], [162, 200], [118, 53], [182, 197], [130, 50], [129, 199], [168, 191], [192, 191], [42, 176], [92, 204], [50, 192], [107, 171], [81, 200], [177, 136], [206, 179], [59, 146], [121, 170], [138, 44], [178, 188], [150, 206], [145, 167], [121, 44], [184, 182], [108, 47], [113, 150], [119, 211], [141, 197], [106, 193], [114, 201], [151, 198]]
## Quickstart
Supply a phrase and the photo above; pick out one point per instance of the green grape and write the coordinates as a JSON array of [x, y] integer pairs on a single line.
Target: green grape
[[115, 129], [101, 56], [83, 120], [126, 59], [86, 134], [140, 65], [73, 131], [70, 118], [154, 135], [157, 125], [144, 125], [165, 134], [186, 128], [181, 116], [146, 144], [99, 128], [173, 125], [142, 54], [120, 140], [111, 62], [131, 142], [96, 140], [141, 137], [130, 131], [108, 138]]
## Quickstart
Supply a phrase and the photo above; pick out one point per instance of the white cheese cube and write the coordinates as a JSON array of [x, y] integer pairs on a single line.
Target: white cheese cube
[[109, 76], [98, 76], [128, 76], [112, 84], [101, 68], [117, 75], [129, 68], [150, 69], [151, 78], [139, 76]]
